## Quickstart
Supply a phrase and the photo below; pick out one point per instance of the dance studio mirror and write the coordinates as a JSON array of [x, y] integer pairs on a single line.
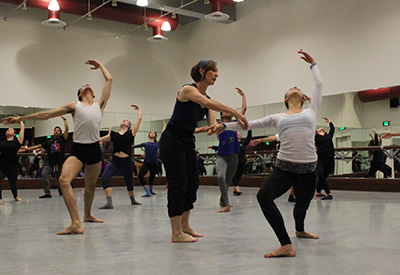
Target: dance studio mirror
[[354, 121]]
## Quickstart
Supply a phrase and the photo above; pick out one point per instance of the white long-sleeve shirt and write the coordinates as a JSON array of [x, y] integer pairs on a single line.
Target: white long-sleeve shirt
[[296, 131]]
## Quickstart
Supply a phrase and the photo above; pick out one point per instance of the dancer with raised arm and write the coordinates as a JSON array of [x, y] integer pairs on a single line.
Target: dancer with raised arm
[[296, 160], [87, 116], [326, 159], [177, 148], [9, 163], [121, 159], [55, 149], [150, 162], [227, 156]]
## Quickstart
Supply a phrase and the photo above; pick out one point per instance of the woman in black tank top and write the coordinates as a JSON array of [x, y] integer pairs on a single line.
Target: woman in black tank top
[[177, 148]]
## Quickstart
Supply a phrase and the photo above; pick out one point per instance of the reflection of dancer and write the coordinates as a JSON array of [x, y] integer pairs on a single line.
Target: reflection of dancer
[[296, 160], [177, 148], [326, 159], [9, 163], [150, 162], [241, 162], [55, 149], [86, 150], [227, 157], [378, 157], [121, 159]]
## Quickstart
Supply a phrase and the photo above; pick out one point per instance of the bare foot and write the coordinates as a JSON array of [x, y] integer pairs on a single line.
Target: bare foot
[[225, 209], [17, 199], [183, 238], [191, 232], [75, 228], [283, 251], [305, 234], [92, 219], [223, 205]]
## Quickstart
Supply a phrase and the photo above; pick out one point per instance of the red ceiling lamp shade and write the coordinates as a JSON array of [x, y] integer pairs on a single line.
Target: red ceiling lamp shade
[[54, 16]]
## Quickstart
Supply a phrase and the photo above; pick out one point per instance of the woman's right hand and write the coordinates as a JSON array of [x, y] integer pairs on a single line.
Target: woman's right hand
[[306, 57], [255, 142]]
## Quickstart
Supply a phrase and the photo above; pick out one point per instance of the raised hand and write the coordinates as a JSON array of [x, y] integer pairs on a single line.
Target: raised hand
[[327, 120], [240, 92], [306, 57], [136, 107], [94, 63]]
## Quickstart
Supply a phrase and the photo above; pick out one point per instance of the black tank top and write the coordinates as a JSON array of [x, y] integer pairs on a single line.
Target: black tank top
[[122, 143], [187, 114]]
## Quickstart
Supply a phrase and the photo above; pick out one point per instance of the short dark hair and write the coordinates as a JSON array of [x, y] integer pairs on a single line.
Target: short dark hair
[[207, 65], [79, 94], [58, 128]]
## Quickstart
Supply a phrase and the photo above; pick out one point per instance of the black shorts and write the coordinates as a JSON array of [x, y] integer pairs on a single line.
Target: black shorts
[[87, 153]]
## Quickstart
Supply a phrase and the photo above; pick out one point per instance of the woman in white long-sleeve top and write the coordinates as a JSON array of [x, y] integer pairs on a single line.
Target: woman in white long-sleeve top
[[296, 160]]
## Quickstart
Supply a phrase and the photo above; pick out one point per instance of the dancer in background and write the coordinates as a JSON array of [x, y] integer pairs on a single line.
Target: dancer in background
[[378, 156], [9, 163], [55, 149], [227, 156], [121, 159], [177, 148], [296, 160], [326, 159], [150, 162], [241, 161], [87, 116]]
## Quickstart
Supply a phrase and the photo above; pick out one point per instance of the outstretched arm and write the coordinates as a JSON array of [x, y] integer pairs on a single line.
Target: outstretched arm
[[261, 140], [317, 93], [244, 102], [389, 135], [105, 95], [136, 126], [44, 115], [66, 127], [190, 93], [164, 126], [21, 133], [107, 137]]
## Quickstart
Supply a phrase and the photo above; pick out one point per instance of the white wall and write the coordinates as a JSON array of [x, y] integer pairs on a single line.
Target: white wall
[[354, 42]]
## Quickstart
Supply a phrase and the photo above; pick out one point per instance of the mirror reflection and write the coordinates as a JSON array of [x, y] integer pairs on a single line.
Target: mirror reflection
[[356, 116]]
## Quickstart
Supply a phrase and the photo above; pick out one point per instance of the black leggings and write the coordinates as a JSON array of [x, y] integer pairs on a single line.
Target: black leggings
[[239, 173], [375, 166], [146, 167], [324, 167], [179, 157], [12, 179], [278, 183]]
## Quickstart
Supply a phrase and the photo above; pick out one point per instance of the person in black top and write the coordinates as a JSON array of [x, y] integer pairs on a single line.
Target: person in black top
[[121, 159], [9, 163], [241, 162], [177, 148], [326, 159], [378, 157], [150, 162], [55, 149]]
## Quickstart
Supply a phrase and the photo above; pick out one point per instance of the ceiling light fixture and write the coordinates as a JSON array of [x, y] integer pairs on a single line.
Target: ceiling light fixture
[[142, 3], [238, 1], [166, 26], [54, 6], [114, 3], [206, 2], [54, 16]]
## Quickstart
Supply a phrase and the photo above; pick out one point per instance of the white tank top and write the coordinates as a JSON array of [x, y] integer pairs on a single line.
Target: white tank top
[[87, 123]]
